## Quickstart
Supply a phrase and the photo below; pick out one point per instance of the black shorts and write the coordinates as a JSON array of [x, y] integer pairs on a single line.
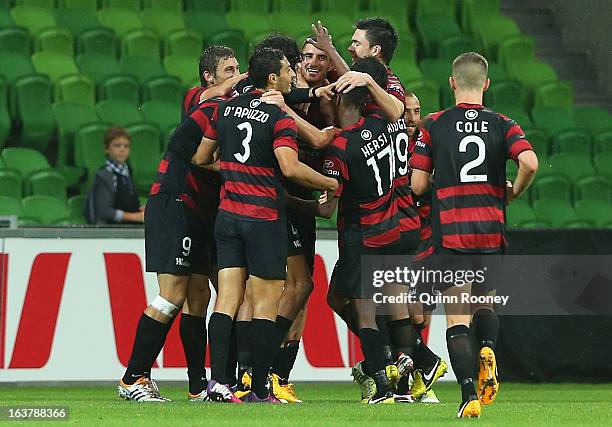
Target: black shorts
[[301, 238], [260, 246], [408, 243], [177, 240]]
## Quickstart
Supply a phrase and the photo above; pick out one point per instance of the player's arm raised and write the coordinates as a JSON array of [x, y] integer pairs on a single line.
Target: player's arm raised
[[297, 171], [323, 41]]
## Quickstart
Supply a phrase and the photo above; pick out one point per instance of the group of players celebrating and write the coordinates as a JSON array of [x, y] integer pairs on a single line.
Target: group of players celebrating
[[234, 204]]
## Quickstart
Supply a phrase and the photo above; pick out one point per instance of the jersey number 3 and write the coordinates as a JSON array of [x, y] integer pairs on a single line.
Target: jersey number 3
[[242, 158], [464, 174]]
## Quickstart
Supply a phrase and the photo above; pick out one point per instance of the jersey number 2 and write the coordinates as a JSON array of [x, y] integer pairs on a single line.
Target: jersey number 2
[[464, 174], [245, 142]]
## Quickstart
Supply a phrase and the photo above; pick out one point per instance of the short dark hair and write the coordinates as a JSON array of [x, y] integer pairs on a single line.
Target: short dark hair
[[114, 133], [264, 62], [210, 58], [287, 45], [374, 68], [380, 32]]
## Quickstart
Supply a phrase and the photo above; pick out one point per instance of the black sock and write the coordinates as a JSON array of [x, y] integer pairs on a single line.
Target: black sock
[[243, 345], [348, 315], [219, 335], [403, 336], [381, 323], [486, 324], [193, 337], [372, 345], [264, 347], [462, 358], [148, 342], [285, 359], [232, 358], [423, 358], [282, 327]]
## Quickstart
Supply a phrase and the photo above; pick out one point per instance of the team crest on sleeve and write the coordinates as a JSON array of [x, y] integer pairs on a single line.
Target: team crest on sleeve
[[255, 103], [366, 135], [471, 114]]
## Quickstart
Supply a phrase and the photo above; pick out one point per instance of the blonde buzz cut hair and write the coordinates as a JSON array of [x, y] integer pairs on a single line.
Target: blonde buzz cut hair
[[470, 71]]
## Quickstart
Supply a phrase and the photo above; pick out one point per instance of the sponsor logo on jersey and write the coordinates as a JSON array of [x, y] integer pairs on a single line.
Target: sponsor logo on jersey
[[471, 114], [328, 164]]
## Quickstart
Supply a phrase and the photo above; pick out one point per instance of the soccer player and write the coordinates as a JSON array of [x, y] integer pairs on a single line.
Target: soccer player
[[468, 146], [179, 245], [257, 145]]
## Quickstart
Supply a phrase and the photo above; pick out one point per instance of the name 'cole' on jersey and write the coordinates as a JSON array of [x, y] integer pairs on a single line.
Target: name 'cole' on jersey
[[468, 146], [248, 133], [361, 158]]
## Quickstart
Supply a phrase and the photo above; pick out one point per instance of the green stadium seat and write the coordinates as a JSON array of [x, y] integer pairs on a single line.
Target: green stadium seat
[[506, 92], [77, 88], [286, 23], [603, 142], [25, 160], [171, 6], [593, 118], [141, 42], [165, 89], [407, 70], [234, 39], [556, 212], [455, 45], [10, 206], [162, 22], [184, 42], [518, 214], [15, 40], [33, 18], [603, 163], [14, 66], [436, 70], [515, 112], [182, 66], [78, 4], [121, 88], [144, 155], [497, 72], [205, 22], [96, 66], [599, 212], [253, 6], [121, 21], [133, 5], [553, 119], [164, 115], [531, 73], [427, 92], [99, 40], [438, 7], [5, 115], [476, 10], [511, 170], [31, 103], [89, 151], [6, 20], [594, 187], [76, 206], [118, 113], [45, 4], [555, 187], [48, 210], [70, 117], [405, 50], [554, 94], [54, 65], [216, 6], [516, 48], [10, 184], [580, 223], [47, 183], [58, 40], [537, 224], [142, 68], [343, 41], [77, 20], [303, 7], [433, 29], [492, 31], [540, 142], [570, 165], [251, 24], [576, 141], [398, 13]]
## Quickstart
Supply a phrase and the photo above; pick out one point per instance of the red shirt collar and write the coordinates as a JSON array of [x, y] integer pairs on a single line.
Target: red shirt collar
[[355, 125], [466, 105]]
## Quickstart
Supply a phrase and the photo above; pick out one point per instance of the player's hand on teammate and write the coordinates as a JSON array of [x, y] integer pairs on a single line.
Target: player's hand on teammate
[[510, 196], [325, 92], [322, 39], [352, 79], [275, 97]]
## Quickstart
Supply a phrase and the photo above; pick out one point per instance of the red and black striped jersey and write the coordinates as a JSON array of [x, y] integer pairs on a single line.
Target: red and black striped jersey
[[394, 87], [248, 133], [409, 219], [191, 100], [361, 159], [176, 175], [468, 146]]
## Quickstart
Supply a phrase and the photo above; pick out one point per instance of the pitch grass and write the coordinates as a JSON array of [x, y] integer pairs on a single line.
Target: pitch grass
[[326, 405]]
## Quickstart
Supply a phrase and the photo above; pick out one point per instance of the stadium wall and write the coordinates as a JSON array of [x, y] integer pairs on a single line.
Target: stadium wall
[[70, 301]]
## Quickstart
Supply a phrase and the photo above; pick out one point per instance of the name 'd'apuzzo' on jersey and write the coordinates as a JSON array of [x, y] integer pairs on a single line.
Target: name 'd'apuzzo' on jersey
[[247, 113]]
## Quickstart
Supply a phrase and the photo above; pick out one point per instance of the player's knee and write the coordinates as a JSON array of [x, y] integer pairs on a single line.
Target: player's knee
[[168, 308]]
